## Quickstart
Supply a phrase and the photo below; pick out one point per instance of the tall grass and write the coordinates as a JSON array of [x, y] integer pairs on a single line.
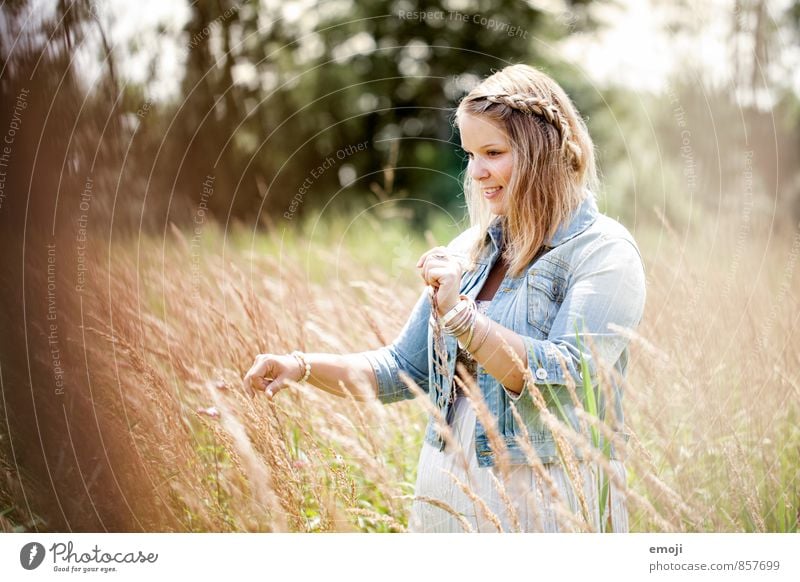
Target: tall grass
[[711, 398]]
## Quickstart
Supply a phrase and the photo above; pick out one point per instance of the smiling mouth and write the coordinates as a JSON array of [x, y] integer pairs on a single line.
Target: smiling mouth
[[492, 192]]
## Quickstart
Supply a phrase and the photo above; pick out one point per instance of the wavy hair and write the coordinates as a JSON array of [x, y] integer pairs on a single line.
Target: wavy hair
[[553, 160]]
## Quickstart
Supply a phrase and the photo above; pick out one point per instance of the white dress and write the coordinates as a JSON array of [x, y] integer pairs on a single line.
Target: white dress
[[438, 496]]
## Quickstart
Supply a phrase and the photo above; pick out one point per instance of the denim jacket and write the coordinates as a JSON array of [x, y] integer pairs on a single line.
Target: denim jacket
[[590, 276]]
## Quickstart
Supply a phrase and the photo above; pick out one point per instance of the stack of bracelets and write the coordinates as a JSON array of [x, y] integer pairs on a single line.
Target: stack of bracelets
[[462, 318], [304, 365]]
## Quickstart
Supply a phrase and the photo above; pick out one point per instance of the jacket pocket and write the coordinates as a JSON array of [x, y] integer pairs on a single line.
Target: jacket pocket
[[545, 294]]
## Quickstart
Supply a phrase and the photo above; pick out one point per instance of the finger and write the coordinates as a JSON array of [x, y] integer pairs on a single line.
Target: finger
[[422, 258], [426, 275], [433, 264], [427, 253], [254, 379], [247, 383], [272, 388], [433, 272], [254, 384]]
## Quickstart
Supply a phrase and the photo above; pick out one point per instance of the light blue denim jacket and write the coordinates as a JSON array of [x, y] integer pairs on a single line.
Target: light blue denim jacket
[[591, 276]]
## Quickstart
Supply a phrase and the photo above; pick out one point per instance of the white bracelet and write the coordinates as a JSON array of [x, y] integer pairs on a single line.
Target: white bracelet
[[454, 311], [301, 357]]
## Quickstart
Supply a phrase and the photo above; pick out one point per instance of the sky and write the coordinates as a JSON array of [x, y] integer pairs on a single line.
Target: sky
[[638, 49]]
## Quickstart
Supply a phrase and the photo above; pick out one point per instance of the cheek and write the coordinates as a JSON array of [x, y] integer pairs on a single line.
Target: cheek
[[506, 169]]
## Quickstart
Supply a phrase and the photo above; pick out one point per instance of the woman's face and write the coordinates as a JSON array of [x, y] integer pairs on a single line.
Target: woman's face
[[490, 159]]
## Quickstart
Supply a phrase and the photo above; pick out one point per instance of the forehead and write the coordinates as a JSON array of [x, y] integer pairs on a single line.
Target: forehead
[[477, 131]]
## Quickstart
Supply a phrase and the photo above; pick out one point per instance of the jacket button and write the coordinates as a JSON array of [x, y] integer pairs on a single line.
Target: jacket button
[[541, 374]]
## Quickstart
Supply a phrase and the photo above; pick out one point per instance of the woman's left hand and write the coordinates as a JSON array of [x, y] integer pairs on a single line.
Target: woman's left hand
[[442, 271]]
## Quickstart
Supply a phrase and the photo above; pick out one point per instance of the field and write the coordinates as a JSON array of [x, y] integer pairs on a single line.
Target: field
[[170, 325]]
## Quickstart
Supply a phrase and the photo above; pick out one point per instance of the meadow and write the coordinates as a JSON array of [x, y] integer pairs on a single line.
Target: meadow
[[172, 324]]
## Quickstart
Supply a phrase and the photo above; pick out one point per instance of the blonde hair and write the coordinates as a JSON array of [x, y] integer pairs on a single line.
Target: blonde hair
[[553, 160]]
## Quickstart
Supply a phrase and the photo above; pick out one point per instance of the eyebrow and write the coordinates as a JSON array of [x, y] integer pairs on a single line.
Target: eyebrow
[[488, 145]]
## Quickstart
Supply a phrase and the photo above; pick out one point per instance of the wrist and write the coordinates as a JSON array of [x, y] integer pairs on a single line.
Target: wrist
[[305, 366], [444, 308], [447, 313], [481, 327], [460, 318]]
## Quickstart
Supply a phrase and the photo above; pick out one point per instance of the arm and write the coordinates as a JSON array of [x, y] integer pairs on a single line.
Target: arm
[[407, 354], [492, 355], [329, 372], [380, 368], [607, 287], [384, 368]]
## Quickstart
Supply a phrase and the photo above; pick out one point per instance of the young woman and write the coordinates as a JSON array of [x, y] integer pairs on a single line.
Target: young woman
[[540, 289]]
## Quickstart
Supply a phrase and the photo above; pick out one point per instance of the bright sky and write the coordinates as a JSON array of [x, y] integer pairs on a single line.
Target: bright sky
[[635, 49], [645, 42], [133, 30]]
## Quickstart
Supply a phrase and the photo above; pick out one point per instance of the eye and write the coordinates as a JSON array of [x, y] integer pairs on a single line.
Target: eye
[[493, 153], [468, 154]]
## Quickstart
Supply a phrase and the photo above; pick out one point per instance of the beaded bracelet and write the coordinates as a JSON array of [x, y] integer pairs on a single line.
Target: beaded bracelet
[[301, 358]]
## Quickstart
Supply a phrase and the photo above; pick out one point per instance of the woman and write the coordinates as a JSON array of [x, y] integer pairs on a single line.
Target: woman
[[538, 291]]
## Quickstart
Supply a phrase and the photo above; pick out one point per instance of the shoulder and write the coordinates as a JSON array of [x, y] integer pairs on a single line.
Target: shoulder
[[609, 236]]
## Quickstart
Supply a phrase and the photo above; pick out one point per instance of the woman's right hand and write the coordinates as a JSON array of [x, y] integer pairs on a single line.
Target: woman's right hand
[[269, 373]]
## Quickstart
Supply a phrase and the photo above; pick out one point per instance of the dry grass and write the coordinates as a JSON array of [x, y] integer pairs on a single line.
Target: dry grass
[[714, 385], [711, 398]]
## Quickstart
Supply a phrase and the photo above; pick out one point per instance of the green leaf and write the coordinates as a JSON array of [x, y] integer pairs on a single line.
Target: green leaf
[[590, 404]]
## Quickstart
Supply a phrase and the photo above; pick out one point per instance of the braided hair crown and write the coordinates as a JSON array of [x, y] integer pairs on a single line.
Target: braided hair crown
[[553, 166], [549, 112]]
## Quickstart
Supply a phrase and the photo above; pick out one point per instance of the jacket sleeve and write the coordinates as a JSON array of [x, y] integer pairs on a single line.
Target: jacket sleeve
[[407, 353], [607, 289]]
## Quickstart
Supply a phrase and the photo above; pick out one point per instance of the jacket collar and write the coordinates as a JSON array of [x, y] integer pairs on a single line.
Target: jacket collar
[[581, 219]]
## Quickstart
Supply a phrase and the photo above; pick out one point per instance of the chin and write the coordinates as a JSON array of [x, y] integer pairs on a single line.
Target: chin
[[498, 209]]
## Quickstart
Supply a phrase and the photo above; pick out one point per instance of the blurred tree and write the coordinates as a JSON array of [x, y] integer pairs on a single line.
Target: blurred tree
[[63, 147], [272, 91], [721, 139]]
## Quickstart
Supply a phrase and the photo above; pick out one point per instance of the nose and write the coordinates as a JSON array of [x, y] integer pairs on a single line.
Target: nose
[[478, 169]]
